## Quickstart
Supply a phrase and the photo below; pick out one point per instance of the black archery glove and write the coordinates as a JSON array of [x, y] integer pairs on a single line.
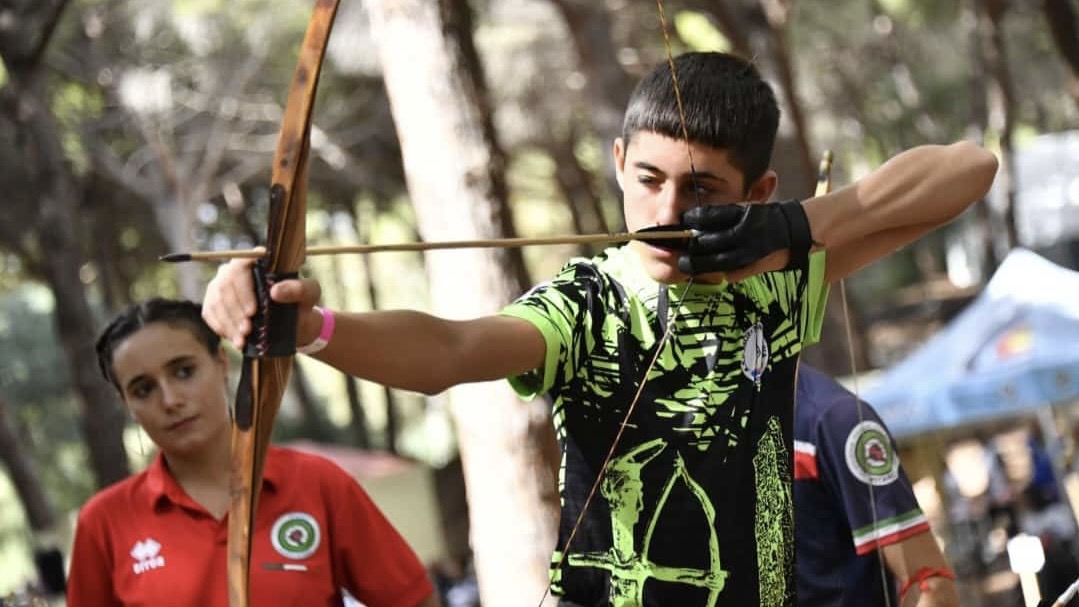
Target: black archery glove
[[733, 236]]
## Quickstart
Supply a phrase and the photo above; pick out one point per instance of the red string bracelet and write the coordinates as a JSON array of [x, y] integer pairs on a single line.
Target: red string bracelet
[[921, 578]]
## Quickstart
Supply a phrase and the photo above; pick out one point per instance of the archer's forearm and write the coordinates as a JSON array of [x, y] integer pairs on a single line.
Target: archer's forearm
[[424, 353], [926, 186]]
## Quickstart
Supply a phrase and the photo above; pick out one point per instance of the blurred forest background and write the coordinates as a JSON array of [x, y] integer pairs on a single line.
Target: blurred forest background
[[132, 128]]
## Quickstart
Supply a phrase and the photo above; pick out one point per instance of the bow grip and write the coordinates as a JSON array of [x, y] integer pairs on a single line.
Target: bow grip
[[273, 326]]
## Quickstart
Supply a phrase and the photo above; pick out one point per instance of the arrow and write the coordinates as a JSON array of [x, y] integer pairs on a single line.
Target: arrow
[[645, 235]]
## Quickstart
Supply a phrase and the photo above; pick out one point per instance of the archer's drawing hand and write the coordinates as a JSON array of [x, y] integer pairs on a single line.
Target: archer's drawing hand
[[737, 236], [230, 302]]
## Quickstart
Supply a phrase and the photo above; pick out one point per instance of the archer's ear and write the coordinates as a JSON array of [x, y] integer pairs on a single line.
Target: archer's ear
[[619, 152], [764, 188]]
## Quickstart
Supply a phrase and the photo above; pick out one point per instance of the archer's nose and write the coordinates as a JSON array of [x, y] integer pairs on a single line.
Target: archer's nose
[[671, 204]]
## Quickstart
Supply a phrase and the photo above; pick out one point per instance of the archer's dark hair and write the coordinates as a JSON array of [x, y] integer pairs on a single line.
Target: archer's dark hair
[[727, 105], [176, 313]]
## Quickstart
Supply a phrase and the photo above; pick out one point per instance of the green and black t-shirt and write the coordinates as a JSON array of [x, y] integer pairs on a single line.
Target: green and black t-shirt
[[695, 507]]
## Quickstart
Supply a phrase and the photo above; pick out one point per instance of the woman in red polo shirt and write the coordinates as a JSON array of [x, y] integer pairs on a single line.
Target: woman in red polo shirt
[[159, 537]]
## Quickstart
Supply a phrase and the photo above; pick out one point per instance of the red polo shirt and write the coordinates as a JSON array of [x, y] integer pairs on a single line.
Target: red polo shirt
[[143, 541]]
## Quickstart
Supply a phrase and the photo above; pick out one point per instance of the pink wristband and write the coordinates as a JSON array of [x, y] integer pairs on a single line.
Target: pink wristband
[[324, 335]]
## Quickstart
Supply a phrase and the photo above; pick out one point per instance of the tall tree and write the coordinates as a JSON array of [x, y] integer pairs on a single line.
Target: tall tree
[[21, 468], [758, 29], [188, 156], [42, 228], [1063, 23], [455, 172], [1003, 111]]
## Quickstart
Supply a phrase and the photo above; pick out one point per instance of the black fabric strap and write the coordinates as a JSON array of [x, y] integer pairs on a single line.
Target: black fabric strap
[[800, 237], [273, 327]]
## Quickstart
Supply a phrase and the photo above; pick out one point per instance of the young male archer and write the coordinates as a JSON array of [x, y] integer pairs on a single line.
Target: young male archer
[[693, 507]]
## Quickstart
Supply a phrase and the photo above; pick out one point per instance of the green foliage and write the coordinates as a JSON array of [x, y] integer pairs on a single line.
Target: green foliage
[[198, 7], [698, 32], [33, 369], [35, 387], [73, 104]]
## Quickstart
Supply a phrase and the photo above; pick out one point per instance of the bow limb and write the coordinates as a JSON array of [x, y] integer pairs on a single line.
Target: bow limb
[[269, 350]]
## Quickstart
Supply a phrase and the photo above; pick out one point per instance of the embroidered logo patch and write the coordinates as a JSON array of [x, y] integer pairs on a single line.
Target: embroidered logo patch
[[295, 535], [147, 555], [754, 353], [870, 456]]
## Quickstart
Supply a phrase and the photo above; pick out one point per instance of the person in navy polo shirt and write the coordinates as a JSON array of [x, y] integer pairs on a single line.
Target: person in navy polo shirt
[[860, 536]]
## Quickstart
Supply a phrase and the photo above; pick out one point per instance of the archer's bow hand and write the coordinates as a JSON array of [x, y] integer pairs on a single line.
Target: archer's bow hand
[[735, 236], [230, 302]]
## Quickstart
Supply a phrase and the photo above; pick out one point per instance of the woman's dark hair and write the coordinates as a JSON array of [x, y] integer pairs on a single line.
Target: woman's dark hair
[[728, 106], [174, 312]]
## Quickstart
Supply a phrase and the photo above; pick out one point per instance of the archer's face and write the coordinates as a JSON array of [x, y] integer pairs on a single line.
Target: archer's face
[[174, 387], [657, 186]]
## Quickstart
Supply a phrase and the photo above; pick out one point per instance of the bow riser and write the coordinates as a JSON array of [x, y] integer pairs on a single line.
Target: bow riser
[[265, 375]]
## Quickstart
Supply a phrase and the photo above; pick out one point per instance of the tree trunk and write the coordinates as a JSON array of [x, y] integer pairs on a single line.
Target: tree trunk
[[455, 173], [757, 30], [577, 186], [358, 422], [102, 418], [49, 223], [607, 85], [393, 415], [175, 219], [1002, 107], [361, 437], [35, 502], [979, 124], [1064, 26], [23, 473], [316, 425]]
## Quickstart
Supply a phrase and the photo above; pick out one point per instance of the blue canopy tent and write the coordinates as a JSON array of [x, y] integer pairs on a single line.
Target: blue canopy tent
[[1014, 349]]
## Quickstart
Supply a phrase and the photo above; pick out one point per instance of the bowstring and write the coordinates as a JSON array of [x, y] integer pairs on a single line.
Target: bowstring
[[824, 186], [861, 419], [670, 322]]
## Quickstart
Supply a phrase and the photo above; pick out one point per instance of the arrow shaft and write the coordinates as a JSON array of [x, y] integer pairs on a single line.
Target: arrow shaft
[[439, 245]]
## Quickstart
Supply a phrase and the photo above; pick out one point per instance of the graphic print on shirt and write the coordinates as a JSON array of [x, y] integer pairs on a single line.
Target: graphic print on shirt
[[720, 439], [147, 555], [295, 535], [775, 518], [630, 567]]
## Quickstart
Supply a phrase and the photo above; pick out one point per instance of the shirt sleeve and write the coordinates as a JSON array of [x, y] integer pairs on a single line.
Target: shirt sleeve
[[371, 559], [560, 309], [815, 299], [859, 462], [89, 581]]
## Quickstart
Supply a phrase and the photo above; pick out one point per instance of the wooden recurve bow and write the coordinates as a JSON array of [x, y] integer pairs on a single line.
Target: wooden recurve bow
[[270, 347]]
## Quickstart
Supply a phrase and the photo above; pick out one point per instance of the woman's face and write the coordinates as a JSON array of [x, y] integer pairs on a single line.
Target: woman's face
[[174, 387]]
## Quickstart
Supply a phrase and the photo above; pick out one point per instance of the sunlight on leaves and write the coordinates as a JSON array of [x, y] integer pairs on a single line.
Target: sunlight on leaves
[[699, 33], [197, 7], [897, 8]]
